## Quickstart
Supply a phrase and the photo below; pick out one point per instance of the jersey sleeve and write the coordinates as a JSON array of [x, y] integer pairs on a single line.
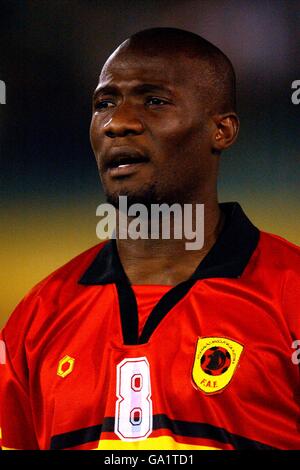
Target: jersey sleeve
[[17, 429]]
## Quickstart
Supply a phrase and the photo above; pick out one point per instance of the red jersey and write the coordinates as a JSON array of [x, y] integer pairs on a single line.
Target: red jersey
[[209, 368]]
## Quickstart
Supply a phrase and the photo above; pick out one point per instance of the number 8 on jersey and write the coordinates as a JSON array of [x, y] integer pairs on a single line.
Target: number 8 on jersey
[[133, 417]]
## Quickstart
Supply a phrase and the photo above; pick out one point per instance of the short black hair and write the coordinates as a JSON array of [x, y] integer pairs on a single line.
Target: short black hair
[[217, 83]]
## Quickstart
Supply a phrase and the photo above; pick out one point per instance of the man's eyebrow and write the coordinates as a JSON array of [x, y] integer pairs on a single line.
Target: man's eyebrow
[[150, 87], [105, 90], [139, 89]]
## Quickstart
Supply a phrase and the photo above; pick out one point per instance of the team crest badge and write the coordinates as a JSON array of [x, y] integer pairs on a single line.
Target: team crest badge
[[215, 362]]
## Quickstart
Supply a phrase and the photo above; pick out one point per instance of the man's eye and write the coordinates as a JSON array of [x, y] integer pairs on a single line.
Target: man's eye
[[104, 104], [155, 101]]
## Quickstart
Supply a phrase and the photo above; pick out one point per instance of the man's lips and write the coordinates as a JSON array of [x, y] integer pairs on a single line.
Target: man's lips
[[124, 161]]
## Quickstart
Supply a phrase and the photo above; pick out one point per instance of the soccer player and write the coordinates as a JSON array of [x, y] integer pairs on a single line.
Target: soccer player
[[143, 344]]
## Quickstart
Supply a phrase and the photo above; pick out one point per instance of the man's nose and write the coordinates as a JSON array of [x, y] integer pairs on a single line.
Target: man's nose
[[125, 121]]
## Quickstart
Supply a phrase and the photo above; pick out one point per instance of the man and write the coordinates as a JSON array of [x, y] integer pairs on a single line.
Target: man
[[142, 344]]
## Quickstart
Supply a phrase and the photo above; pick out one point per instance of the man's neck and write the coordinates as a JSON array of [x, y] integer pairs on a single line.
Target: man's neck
[[168, 262]]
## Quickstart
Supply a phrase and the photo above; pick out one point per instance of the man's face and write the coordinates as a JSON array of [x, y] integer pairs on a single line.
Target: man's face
[[150, 132]]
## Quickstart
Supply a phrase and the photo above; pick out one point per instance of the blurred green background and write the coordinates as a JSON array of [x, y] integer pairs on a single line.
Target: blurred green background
[[51, 54]]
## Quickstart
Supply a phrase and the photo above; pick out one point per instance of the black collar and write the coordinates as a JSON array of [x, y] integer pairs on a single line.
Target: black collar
[[228, 257]]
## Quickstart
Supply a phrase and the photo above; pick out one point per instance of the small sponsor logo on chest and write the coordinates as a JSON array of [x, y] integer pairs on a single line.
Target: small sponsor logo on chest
[[65, 366]]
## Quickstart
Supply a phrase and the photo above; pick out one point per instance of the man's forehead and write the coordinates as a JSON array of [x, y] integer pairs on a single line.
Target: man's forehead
[[174, 69]]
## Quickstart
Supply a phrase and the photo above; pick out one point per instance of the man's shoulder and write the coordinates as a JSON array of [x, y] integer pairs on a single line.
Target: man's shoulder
[[53, 290], [277, 242], [70, 272], [280, 251], [282, 268]]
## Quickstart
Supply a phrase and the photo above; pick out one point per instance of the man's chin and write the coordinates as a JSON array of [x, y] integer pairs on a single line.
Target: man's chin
[[146, 196]]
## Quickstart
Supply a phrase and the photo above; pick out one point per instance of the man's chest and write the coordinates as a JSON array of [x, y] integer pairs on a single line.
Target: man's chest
[[213, 358]]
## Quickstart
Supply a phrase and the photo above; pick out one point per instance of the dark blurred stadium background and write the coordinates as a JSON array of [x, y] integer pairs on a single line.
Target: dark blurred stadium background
[[51, 53]]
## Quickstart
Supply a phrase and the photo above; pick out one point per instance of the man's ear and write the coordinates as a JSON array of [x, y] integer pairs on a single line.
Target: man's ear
[[226, 130]]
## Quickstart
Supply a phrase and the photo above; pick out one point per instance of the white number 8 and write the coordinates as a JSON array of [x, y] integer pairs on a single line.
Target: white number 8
[[133, 418]]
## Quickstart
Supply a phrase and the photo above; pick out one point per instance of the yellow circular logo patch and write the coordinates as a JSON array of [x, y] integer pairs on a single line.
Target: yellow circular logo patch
[[215, 362]]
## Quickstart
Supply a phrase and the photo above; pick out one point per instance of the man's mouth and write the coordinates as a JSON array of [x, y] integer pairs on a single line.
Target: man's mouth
[[124, 163]]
